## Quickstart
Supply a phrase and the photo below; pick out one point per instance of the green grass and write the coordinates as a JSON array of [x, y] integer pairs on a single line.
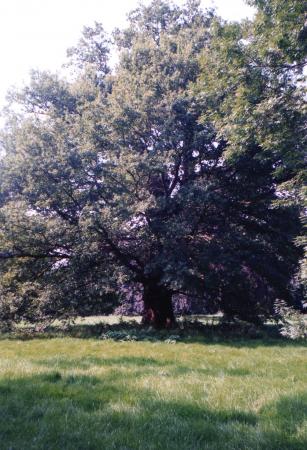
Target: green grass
[[69, 393]]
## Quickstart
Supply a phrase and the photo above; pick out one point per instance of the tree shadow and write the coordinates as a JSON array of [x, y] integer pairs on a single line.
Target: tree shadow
[[141, 365], [88, 362], [195, 332], [289, 416], [72, 412]]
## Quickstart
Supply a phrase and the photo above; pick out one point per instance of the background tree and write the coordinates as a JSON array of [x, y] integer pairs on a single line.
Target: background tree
[[130, 177], [252, 88]]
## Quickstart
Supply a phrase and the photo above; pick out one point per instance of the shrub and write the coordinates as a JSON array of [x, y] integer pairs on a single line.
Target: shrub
[[292, 323]]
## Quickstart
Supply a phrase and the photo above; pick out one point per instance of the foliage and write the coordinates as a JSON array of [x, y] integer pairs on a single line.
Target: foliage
[[253, 85], [251, 88], [293, 323], [135, 176]]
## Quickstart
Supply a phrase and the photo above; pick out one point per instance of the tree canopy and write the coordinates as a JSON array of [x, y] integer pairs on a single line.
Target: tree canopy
[[180, 170]]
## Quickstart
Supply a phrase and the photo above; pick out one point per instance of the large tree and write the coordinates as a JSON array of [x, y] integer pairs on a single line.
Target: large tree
[[124, 177]]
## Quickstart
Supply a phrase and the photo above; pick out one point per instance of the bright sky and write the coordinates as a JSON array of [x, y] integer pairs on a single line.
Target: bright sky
[[36, 33]]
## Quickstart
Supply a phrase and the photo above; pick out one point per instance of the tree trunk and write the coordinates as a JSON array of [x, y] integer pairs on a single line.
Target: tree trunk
[[158, 307]]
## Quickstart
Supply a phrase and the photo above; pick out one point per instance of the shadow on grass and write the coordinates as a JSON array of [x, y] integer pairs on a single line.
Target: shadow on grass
[[143, 366], [87, 362], [52, 411], [235, 335]]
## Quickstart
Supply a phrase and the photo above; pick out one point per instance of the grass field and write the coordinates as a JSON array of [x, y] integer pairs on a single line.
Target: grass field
[[69, 393]]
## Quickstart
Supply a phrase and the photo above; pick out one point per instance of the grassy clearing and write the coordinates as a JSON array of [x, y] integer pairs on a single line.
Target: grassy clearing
[[68, 393]]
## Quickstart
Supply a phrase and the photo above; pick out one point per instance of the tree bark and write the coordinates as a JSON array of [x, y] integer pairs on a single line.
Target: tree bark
[[158, 307]]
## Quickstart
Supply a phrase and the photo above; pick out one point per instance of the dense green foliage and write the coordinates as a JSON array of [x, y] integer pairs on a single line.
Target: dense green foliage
[[178, 171], [252, 90]]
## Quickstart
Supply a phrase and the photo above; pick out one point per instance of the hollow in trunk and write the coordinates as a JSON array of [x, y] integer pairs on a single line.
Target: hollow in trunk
[[158, 307]]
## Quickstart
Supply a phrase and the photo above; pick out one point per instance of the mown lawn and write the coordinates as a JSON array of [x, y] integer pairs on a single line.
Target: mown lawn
[[69, 393]]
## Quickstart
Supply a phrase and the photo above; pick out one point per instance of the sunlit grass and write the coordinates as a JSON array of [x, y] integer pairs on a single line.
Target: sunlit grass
[[67, 393]]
